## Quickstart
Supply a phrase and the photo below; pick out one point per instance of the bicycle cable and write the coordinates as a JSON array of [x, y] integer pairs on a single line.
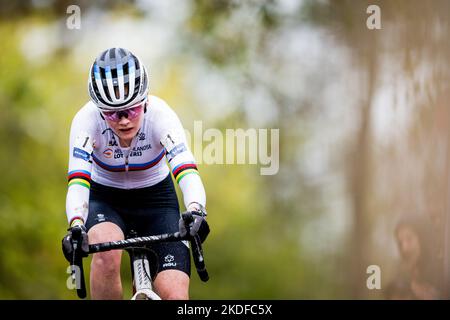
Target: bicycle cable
[[143, 262]]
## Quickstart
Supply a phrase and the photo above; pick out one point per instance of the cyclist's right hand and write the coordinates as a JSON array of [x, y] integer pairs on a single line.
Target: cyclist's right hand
[[77, 241]]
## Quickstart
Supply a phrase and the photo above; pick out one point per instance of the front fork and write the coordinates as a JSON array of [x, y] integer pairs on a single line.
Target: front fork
[[140, 271], [140, 275]]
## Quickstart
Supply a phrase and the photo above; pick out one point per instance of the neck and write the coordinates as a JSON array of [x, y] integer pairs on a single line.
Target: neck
[[125, 143]]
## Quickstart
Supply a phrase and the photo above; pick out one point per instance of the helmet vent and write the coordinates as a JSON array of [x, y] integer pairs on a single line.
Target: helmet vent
[[118, 62]]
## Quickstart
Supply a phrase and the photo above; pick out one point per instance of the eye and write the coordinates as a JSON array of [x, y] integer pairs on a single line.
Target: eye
[[138, 108]]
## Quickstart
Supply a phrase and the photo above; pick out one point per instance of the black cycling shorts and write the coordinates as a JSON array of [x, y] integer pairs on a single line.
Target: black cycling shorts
[[146, 211]]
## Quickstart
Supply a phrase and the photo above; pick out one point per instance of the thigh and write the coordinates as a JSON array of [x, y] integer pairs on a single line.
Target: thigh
[[105, 263], [104, 232], [104, 224], [170, 256], [101, 216]]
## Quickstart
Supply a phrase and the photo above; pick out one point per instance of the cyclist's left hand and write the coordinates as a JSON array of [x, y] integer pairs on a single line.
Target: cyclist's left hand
[[198, 226]]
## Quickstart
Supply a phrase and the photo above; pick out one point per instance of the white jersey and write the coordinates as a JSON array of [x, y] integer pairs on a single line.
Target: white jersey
[[95, 154]]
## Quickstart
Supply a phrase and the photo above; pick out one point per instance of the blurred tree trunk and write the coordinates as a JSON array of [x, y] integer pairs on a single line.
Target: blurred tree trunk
[[360, 176], [446, 220]]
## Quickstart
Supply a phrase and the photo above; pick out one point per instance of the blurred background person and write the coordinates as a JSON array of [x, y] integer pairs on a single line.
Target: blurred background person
[[417, 276], [399, 289]]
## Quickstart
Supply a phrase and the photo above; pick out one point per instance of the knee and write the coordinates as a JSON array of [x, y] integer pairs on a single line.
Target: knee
[[108, 263], [172, 285], [176, 296]]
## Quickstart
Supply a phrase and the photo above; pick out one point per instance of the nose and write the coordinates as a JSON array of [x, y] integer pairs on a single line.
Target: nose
[[123, 119]]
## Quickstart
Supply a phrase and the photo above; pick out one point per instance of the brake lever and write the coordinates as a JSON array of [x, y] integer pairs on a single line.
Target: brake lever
[[199, 260], [187, 217], [77, 261]]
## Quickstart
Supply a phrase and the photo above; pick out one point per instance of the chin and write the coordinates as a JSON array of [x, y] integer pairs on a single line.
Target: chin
[[128, 135]]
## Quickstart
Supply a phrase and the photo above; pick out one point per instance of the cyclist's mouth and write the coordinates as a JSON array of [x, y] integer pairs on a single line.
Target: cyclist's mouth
[[126, 130]]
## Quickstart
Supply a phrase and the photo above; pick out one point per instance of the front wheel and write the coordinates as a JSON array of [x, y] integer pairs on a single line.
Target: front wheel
[[145, 294]]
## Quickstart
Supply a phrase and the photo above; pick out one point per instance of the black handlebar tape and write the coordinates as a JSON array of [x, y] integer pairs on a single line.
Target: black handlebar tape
[[199, 261], [81, 291], [78, 262], [197, 252], [139, 241]]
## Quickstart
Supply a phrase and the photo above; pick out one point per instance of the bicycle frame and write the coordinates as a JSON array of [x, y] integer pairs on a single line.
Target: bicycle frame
[[140, 273], [140, 270]]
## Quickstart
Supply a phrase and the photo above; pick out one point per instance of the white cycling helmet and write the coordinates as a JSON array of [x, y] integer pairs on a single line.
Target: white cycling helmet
[[117, 80]]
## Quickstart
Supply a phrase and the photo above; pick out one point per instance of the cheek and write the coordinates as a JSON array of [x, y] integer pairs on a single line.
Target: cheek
[[137, 122], [111, 124]]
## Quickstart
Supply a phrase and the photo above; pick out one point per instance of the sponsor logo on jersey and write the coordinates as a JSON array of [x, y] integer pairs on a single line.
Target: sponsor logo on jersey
[[168, 259], [81, 154], [108, 153], [143, 148], [141, 136], [118, 154], [175, 151], [136, 153], [113, 143], [100, 217]]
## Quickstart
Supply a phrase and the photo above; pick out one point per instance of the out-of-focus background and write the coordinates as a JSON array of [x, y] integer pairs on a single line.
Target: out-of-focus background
[[364, 150]]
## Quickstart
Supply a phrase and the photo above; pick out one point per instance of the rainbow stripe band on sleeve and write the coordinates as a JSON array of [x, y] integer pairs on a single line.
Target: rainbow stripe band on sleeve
[[80, 177], [183, 169]]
